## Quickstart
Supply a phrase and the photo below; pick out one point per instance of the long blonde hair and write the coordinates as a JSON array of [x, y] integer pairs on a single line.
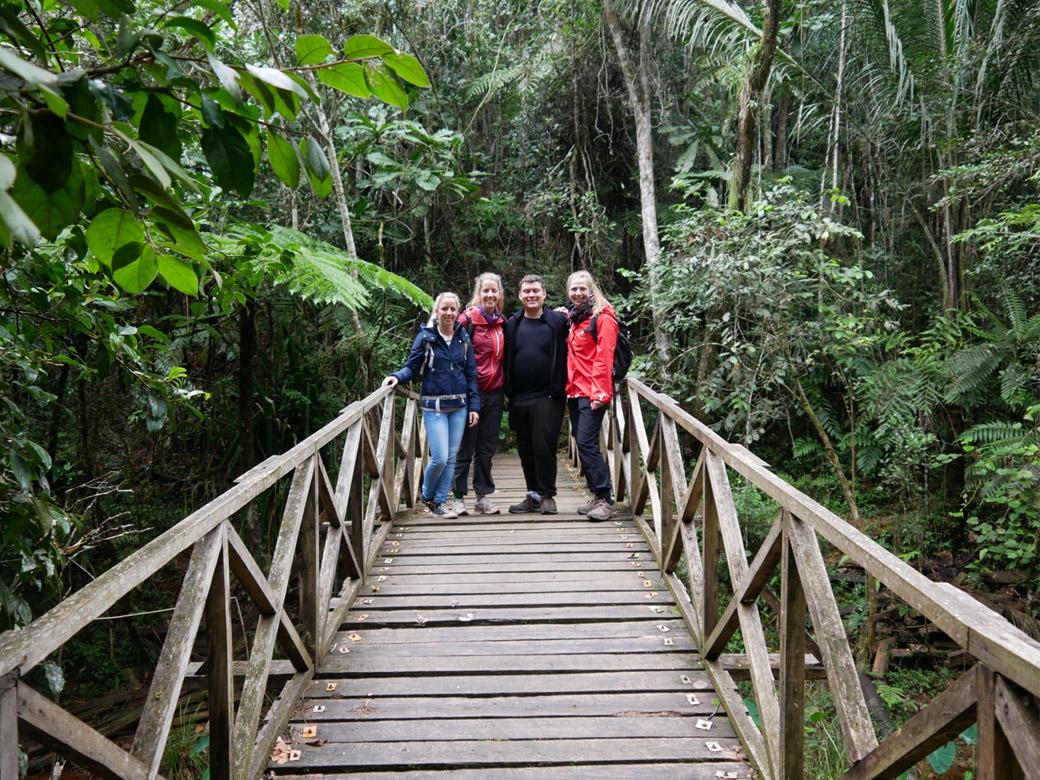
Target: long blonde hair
[[479, 285], [601, 301], [437, 305]]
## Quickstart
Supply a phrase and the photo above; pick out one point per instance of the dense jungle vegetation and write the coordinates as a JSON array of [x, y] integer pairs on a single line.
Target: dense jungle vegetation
[[221, 222]]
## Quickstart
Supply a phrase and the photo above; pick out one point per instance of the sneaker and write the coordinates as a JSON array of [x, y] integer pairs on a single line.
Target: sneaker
[[527, 505], [601, 510], [430, 503], [459, 508], [584, 508], [547, 506], [485, 507], [442, 510]]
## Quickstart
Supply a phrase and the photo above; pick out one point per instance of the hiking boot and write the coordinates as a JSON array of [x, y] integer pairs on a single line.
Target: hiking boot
[[584, 508], [547, 506], [430, 503], [485, 507], [459, 507], [442, 510], [601, 510], [527, 505]]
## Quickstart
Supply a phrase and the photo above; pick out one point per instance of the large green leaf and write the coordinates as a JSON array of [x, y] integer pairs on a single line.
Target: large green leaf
[[281, 153], [362, 47], [134, 267], [179, 274], [220, 9], [227, 77], [25, 70], [313, 50], [181, 232], [230, 159], [50, 212], [159, 127], [200, 30], [347, 77], [408, 68], [317, 167], [110, 231], [276, 78], [385, 87], [45, 150], [15, 223]]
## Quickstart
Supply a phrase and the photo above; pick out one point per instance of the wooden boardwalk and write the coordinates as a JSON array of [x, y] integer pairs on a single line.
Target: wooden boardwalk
[[513, 646]]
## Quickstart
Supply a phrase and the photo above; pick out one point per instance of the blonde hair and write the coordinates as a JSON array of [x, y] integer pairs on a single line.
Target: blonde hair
[[479, 285], [601, 301], [437, 304]]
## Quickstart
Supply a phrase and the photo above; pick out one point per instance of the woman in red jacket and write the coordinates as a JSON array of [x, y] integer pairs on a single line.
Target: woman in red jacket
[[484, 322], [590, 383]]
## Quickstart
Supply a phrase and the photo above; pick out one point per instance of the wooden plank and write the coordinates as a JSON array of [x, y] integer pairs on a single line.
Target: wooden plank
[[451, 729], [411, 585], [561, 632], [1020, 721], [164, 692], [665, 705], [348, 463], [310, 564], [944, 718], [514, 664], [57, 730], [511, 685], [9, 728], [673, 771], [644, 644], [672, 548], [434, 553], [463, 753], [255, 686], [748, 589], [791, 764], [733, 703], [253, 764], [994, 757], [221, 681], [709, 582], [377, 601], [504, 615], [830, 633]]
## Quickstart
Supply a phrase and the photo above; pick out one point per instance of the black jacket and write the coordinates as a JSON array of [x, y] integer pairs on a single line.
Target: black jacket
[[556, 362]]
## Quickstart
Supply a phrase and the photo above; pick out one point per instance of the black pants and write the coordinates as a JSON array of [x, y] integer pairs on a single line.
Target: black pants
[[586, 424], [537, 424], [478, 445]]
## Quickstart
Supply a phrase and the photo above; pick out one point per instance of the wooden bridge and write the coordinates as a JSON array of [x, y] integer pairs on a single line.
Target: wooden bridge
[[385, 645]]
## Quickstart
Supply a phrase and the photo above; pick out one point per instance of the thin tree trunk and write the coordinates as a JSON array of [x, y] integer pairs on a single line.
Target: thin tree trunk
[[749, 97], [637, 85]]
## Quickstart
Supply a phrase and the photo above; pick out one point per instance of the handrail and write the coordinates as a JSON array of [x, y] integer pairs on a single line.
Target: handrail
[[1001, 692], [328, 530]]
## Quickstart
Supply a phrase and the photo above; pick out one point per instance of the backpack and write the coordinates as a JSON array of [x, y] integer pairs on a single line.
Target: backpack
[[622, 350], [428, 354]]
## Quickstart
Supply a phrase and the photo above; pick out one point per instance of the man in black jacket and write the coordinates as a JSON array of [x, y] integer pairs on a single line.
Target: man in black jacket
[[535, 378]]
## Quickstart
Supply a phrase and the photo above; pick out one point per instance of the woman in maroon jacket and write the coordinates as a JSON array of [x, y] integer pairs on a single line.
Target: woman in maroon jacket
[[590, 383], [484, 322]]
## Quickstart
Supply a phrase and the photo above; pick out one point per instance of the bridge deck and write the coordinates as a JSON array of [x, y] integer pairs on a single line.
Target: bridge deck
[[519, 647]]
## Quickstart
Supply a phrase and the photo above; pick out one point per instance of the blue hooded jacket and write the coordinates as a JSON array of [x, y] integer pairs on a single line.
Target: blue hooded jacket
[[449, 372]]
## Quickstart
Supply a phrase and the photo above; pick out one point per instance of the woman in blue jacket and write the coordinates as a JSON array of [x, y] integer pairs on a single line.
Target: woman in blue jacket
[[443, 355]]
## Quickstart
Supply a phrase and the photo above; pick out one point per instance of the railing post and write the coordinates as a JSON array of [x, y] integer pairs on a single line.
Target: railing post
[[710, 558], [996, 760], [221, 677], [9, 727], [310, 571], [792, 662]]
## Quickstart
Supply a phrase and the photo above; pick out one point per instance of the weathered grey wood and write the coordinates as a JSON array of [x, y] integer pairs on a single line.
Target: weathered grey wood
[[433, 553], [406, 585], [255, 685], [221, 681], [463, 601], [791, 765], [647, 481], [54, 728], [1020, 721], [747, 591], [709, 583], [944, 718], [161, 704], [277, 719], [255, 584], [512, 685], [462, 753], [348, 466], [994, 758], [9, 728], [673, 771], [514, 664], [450, 729], [966, 621], [545, 706], [563, 633], [310, 564], [750, 622], [830, 633], [672, 547], [645, 644], [489, 615], [733, 704]]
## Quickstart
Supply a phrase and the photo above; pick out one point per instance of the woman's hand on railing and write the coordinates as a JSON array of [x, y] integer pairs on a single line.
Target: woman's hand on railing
[[390, 381]]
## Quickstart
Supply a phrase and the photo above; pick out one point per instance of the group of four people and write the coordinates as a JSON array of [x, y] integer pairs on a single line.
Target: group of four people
[[546, 361]]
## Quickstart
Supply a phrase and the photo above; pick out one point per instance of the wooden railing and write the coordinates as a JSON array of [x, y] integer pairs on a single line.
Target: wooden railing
[[328, 534], [1000, 691]]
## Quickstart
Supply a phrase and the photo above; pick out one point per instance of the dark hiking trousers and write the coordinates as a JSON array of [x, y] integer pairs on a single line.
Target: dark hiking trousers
[[537, 424], [478, 445]]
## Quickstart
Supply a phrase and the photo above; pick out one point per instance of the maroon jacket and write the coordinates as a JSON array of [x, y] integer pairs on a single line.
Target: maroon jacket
[[489, 345]]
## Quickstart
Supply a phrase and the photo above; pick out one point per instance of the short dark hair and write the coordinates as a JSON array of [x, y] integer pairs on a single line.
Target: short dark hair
[[533, 279]]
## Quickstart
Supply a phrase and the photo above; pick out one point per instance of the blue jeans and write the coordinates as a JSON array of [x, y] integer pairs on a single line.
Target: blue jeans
[[444, 433]]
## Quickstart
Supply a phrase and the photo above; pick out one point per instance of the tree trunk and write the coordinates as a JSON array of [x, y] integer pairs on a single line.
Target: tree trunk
[[750, 96], [636, 83]]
